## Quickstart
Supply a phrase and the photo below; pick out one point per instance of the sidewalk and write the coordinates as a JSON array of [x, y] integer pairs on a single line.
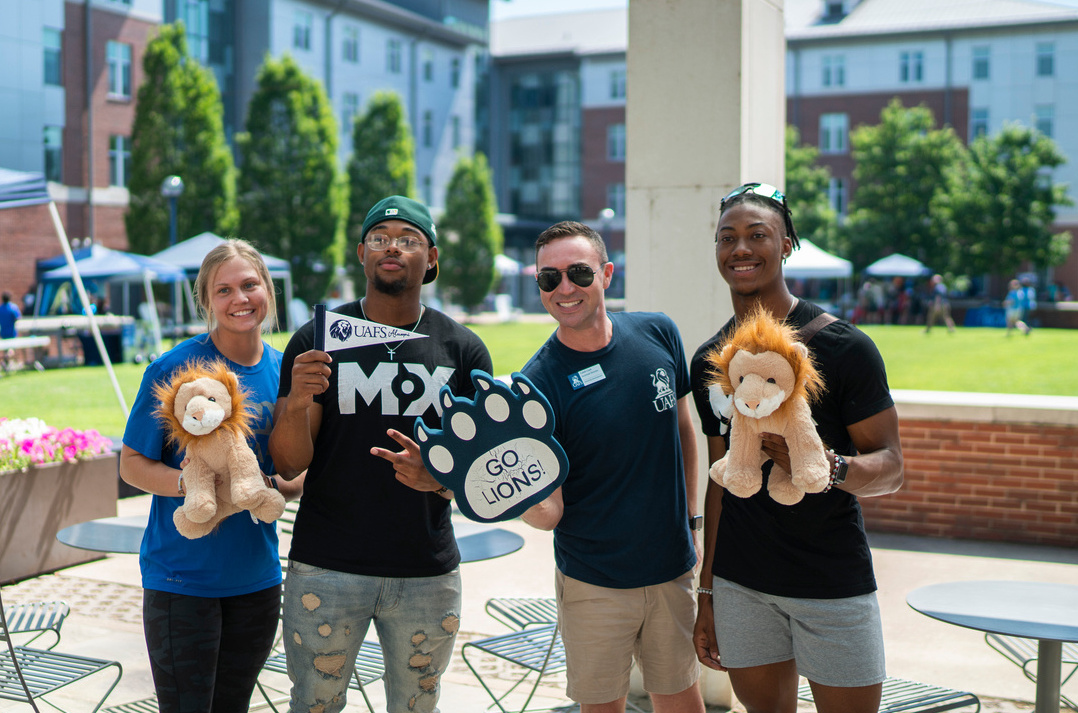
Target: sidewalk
[[105, 599]]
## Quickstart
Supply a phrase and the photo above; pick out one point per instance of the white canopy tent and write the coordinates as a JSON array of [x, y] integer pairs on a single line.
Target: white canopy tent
[[188, 255], [19, 189], [809, 261], [898, 265]]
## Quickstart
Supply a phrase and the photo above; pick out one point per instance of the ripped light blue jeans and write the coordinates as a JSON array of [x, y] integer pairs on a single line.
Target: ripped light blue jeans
[[326, 615]]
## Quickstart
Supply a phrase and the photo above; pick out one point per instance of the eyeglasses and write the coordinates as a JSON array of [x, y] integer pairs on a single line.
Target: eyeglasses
[[760, 189], [405, 243], [580, 275]]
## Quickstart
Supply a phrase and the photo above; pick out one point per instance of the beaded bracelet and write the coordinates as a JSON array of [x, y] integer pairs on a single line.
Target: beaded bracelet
[[704, 590], [179, 485], [832, 469]]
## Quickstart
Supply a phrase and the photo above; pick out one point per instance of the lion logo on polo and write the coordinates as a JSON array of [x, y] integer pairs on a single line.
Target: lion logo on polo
[[665, 398]]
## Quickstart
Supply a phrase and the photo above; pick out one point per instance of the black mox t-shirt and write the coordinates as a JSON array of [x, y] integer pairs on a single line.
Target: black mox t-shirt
[[355, 516], [816, 548]]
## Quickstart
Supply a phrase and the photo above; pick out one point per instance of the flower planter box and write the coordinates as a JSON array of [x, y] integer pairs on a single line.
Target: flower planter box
[[37, 503]]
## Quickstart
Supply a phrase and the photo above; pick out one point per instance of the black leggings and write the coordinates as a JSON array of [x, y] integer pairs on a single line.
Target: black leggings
[[206, 653]]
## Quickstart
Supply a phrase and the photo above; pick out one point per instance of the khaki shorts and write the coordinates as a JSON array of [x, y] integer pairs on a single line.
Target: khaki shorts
[[604, 628]]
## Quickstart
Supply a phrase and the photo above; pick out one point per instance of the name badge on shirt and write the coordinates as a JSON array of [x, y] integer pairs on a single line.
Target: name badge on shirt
[[586, 377]]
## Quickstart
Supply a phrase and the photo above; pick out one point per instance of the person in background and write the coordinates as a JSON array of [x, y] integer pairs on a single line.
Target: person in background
[[9, 314], [1016, 307], [210, 605], [939, 307], [790, 588]]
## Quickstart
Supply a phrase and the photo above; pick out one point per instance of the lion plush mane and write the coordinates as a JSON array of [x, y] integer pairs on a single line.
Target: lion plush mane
[[772, 379], [203, 409]]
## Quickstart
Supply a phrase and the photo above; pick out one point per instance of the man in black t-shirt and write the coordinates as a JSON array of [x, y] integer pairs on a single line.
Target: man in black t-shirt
[[792, 589], [373, 539]]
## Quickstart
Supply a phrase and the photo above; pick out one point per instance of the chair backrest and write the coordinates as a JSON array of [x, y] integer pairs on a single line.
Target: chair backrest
[[522, 612]]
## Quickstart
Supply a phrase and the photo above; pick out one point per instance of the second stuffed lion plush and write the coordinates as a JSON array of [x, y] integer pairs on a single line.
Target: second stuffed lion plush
[[773, 380], [204, 410]]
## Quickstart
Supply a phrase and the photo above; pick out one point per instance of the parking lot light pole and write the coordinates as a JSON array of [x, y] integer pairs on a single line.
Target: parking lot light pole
[[172, 188]]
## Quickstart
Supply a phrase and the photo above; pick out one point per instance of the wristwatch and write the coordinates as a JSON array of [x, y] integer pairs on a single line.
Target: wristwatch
[[696, 522], [838, 471]]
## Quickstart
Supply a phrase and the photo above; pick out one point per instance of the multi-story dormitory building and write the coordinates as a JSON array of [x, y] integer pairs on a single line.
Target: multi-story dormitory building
[[559, 103], [56, 92]]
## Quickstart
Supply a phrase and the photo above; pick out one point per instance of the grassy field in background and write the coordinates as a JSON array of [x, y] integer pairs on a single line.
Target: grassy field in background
[[971, 359]]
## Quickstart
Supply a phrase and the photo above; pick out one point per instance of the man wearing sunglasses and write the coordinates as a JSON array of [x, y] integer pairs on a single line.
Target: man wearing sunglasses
[[373, 541], [623, 520], [789, 590]]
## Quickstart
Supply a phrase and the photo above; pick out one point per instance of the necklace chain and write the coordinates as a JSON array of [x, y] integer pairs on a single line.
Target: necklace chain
[[393, 350]]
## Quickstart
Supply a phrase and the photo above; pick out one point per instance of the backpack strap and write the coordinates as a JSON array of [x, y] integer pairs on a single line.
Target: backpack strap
[[806, 333]]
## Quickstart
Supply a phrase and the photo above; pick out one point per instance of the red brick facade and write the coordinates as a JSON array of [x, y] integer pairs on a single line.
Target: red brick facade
[[1006, 482], [597, 171]]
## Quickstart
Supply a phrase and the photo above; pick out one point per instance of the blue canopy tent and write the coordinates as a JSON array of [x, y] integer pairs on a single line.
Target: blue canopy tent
[[20, 189], [189, 253], [104, 265]]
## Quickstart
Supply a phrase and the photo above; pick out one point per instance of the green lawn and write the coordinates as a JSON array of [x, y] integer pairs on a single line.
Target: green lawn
[[972, 359]]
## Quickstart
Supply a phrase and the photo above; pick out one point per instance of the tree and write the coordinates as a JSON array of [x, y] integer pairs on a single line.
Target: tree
[[470, 234], [807, 193], [178, 130], [900, 167], [1000, 205], [382, 164], [291, 194]]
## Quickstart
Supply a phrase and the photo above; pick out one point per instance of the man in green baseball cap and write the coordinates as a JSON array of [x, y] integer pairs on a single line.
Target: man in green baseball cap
[[377, 527]]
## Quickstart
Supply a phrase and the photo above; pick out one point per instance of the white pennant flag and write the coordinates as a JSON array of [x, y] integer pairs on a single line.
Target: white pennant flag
[[344, 332]]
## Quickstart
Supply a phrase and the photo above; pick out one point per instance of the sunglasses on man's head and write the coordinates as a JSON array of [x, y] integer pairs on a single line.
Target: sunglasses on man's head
[[580, 275], [760, 189]]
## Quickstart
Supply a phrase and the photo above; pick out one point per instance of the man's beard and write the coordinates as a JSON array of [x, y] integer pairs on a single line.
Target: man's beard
[[390, 287]]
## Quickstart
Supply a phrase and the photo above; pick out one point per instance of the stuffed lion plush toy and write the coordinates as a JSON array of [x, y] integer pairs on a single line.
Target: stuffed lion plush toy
[[203, 408], [772, 380]]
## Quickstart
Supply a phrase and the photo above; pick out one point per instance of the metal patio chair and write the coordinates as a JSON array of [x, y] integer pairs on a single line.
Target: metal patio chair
[[521, 612], [29, 675], [37, 618], [1023, 654], [902, 696]]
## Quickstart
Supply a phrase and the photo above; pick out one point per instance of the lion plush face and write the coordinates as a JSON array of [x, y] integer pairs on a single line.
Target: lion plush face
[[763, 366], [200, 398]]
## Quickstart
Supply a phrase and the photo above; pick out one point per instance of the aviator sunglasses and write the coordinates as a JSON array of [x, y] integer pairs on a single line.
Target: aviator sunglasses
[[580, 275]]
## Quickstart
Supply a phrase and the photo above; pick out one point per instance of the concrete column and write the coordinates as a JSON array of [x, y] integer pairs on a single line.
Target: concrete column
[[705, 113]]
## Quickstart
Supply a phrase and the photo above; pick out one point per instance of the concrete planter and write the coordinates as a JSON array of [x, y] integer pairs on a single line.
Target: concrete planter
[[41, 501]]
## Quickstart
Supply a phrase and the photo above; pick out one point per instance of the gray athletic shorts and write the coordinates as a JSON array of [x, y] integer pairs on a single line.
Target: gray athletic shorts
[[835, 642]]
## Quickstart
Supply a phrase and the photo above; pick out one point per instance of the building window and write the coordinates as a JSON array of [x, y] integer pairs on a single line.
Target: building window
[[428, 66], [1046, 114], [393, 56], [615, 142], [119, 59], [349, 108], [1046, 59], [833, 130], [53, 64], [119, 160], [196, 21], [834, 71], [454, 73], [54, 149], [836, 195], [455, 123], [428, 128], [911, 67], [302, 22], [615, 198], [617, 83], [978, 123], [350, 46], [981, 59]]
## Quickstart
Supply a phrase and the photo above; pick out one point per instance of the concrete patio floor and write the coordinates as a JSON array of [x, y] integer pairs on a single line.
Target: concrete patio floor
[[105, 598]]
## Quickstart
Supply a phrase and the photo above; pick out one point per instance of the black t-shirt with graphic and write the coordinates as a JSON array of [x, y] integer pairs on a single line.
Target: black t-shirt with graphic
[[816, 548], [355, 516]]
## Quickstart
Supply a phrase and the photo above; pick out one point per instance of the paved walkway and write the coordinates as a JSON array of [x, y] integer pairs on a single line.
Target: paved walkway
[[105, 598]]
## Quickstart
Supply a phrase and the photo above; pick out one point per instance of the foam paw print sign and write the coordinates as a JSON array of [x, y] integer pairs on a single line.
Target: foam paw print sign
[[497, 451]]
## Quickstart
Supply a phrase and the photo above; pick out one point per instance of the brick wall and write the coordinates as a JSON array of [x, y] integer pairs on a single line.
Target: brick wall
[[979, 468]]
